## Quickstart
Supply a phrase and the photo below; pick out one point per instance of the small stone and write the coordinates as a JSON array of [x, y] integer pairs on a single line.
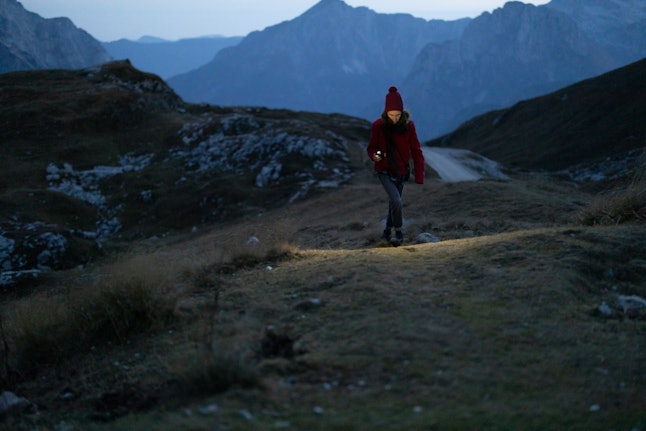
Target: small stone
[[426, 237], [246, 414], [604, 310], [208, 410]]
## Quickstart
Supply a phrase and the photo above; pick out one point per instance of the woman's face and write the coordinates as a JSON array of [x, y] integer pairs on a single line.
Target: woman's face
[[394, 116]]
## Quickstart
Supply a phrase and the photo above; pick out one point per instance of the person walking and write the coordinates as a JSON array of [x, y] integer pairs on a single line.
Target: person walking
[[393, 142]]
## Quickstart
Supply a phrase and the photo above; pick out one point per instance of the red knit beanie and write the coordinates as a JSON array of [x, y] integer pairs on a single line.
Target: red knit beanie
[[394, 100]]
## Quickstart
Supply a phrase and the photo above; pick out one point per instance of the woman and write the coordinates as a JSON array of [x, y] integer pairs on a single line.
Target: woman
[[393, 141]]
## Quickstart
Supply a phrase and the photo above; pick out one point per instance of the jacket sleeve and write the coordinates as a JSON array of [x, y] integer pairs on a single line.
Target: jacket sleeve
[[373, 144], [417, 154]]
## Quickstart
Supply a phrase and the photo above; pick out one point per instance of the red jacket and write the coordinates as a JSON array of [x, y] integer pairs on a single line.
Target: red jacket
[[407, 145]]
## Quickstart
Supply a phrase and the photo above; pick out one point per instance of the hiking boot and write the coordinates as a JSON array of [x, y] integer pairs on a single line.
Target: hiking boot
[[386, 235], [398, 240]]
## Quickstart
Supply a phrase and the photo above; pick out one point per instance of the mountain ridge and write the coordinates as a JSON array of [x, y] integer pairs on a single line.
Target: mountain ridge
[[28, 41], [350, 77], [508, 55], [169, 58], [276, 72]]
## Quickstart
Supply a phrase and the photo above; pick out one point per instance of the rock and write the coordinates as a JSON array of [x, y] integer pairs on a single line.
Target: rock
[[604, 310], [631, 305], [10, 403], [426, 237]]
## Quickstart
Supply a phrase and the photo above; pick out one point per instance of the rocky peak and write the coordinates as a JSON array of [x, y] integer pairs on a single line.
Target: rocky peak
[[28, 41], [618, 25]]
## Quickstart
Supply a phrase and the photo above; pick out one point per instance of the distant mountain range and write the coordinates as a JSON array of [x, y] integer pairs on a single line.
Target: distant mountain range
[[336, 58], [169, 58], [28, 41], [333, 58]]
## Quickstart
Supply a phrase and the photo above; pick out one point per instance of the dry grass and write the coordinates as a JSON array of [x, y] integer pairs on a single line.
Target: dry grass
[[50, 328], [314, 326], [443, 335], [616, 207]]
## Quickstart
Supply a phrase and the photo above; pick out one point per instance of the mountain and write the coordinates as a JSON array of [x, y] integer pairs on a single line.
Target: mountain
[[448, 71], [333, 58], [617, 25], [591, 121], [28, 41], [169, 58], [516, 52]]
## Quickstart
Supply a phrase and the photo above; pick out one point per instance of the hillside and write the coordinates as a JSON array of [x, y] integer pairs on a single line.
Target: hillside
[[586, 122], [201, 267], [111, 153], [313, 327]]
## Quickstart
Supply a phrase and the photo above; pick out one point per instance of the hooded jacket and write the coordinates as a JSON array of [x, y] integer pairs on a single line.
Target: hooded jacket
[[406, 143]]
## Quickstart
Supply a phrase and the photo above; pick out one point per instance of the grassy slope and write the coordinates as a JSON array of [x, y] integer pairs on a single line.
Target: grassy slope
[[588, 121], [492, 328]]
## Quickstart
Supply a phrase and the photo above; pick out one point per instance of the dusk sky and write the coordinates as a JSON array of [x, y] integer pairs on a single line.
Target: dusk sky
[[109, 20]]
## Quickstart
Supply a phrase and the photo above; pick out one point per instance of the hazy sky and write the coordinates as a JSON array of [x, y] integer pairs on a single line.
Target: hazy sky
[[109, 20]]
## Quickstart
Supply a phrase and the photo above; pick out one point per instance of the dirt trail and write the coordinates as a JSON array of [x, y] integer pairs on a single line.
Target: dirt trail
[[456, 165]]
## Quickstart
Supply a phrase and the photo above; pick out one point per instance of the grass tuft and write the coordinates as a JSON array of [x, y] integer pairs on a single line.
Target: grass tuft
[[214, 372], [628, 205], [52, 329]]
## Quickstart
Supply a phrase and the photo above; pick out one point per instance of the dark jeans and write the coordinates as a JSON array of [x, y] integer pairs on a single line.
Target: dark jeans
[[394, 188]]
